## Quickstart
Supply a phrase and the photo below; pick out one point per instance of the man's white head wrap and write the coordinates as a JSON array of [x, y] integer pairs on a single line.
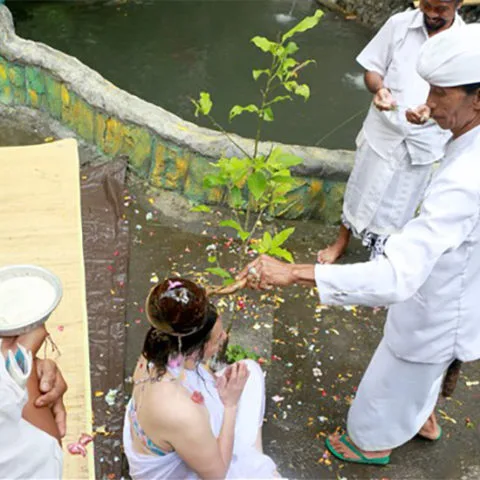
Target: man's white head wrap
[[451, 58]]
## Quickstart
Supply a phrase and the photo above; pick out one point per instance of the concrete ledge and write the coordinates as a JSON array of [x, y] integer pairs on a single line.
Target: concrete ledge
[[168, 151]]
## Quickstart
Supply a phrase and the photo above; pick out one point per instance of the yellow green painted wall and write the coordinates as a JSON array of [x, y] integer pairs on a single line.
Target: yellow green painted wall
[[163, 163]]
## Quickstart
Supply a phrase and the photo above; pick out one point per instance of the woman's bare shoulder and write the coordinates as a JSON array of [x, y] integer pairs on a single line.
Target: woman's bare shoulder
[[169, 404]]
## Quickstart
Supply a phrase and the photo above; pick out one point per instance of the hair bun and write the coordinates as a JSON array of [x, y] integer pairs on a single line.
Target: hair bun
[[176, 307]]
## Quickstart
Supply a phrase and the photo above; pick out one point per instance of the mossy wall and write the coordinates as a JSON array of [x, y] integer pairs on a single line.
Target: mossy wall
[[170, 154]]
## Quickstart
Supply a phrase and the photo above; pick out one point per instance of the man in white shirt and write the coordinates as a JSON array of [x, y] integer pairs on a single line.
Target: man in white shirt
[[429, 273], [394, 157]]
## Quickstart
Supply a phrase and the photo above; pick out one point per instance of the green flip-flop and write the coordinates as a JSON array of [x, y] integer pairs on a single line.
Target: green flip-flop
[[361, 457], [440, 433]]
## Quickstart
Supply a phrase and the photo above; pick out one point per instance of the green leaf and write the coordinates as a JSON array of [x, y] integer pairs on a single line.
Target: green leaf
[[287, 160], [236, 197], [283, 180], [267, 241], [219, 272], [306, 24], [303, 91], [257, 73], [211, 181], [264, 44], [201, 208], [280, 238], [281, 253], [236, 226], [239, 177], [236, 353], [228, 281], [238, 169], [212, 259], [257, 184], [280, 98], [231, 223], [268, 114], [289, 63], [291, 48], [291, 86], [238, 110], [204, 104]]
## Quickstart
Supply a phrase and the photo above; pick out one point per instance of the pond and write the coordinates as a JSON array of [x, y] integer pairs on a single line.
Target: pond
[[167, 52]]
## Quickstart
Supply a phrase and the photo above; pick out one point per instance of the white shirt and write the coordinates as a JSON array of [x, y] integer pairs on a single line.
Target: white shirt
[[430, 272], [393, 53], [25, 450]]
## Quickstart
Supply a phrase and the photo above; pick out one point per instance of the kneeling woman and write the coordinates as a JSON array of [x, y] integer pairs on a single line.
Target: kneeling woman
[[182, 421]]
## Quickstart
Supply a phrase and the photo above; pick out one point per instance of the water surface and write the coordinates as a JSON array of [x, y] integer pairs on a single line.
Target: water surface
[[168, 51]]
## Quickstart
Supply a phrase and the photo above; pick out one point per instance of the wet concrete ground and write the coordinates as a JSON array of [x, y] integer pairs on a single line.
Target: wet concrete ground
[[316, 354]]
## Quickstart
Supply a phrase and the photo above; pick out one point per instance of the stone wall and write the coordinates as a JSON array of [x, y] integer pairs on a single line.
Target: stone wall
[[169, 152]]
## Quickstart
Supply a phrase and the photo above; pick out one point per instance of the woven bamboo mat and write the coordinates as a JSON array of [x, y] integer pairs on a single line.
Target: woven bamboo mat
[[40, 223]]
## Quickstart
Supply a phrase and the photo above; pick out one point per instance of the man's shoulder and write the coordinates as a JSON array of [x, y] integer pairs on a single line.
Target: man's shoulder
[[463, 167], [404, 18]]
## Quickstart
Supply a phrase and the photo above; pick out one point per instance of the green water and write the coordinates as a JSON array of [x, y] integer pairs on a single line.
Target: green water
[[168, 51]]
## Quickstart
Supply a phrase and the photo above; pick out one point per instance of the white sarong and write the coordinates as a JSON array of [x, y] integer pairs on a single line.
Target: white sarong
[[393, 401], [382, 194], [247, 462], [25, 450]]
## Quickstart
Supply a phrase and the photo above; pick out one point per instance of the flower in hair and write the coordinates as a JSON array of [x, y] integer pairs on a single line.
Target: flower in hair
[[175, 362], [174, 284], [179, 295]]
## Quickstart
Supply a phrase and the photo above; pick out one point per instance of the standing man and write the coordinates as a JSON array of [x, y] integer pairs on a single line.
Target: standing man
[[393, 158], [429, 273]]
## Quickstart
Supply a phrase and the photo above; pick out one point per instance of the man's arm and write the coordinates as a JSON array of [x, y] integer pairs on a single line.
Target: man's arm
[[373, 81], [448, 216], [375, 58], [41, 417]]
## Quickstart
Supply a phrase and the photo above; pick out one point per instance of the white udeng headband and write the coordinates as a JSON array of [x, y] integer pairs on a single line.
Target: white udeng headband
[[451, 58]]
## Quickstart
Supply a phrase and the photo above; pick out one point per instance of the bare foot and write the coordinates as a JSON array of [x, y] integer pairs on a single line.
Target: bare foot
[[330, 254], [430, 430], [341, 448]]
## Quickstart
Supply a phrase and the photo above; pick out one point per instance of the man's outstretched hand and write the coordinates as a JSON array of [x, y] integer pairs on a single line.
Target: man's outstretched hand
[[266, 272]]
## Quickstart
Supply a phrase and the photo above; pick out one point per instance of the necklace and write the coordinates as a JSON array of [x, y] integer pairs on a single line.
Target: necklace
[[146, 379], [149, 377]]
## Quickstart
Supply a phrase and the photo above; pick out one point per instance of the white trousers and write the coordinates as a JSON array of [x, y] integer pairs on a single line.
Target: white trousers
[[382, 194], [393, 401]]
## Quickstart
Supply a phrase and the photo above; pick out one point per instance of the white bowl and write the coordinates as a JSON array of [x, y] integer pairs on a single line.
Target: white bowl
[[37, 318]]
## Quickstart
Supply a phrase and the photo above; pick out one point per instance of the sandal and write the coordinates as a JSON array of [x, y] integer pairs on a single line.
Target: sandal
[[439, 436], [361, 457]]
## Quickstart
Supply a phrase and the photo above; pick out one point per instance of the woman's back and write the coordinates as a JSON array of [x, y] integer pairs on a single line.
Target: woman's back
[[248, 461], [182, 421], [176, 387]]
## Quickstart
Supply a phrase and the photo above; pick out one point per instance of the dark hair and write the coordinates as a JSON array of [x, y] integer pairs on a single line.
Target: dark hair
[[181, 316], [471, 88]]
